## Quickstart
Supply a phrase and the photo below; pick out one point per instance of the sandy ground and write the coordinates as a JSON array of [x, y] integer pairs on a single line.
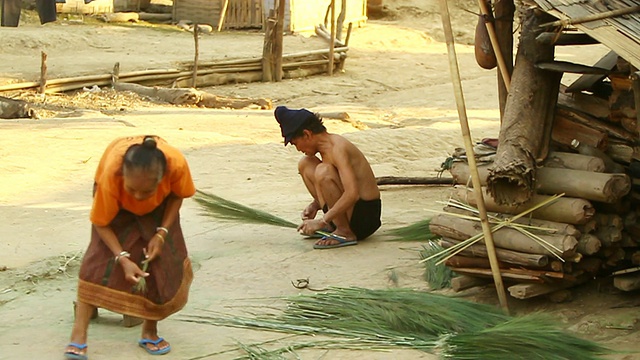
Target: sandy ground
[[396, 82]]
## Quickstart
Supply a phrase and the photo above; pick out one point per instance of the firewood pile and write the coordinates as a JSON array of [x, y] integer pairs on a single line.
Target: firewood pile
[[592, 230]]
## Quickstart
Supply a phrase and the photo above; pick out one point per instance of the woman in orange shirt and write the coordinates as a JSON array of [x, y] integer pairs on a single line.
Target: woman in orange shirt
[[138, 191]]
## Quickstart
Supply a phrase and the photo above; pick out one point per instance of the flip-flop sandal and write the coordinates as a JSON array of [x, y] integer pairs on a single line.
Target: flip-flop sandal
[[342, 242], [74, 356], [143, 344], [319, 234]]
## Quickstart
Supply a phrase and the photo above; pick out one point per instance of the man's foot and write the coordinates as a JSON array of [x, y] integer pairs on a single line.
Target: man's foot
[[157, 346], [332, 241], [76, 351]]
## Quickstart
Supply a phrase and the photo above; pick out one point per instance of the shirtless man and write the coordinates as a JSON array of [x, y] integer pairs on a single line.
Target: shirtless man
[[341, 181]]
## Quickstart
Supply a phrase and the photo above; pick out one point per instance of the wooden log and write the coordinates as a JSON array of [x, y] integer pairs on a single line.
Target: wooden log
[[504, 238], [154, 17], [584, 103], [590, 265], [588, 227], [218, 102], [565, 130], [602, 187], [516, 274], [627, 241], [621, 153], [573, 161], [325, 34], [588, 244], [628, 282], [541, 226], [173, 96], [402, 180], [463, 282], [610, 129], [223, 78], [43, 72], [15, 109], [622, 105], [268, 60], [527, 291], [566, 210], [471, 262], [508, 256], [195, 57], [634, 257], [526, 126]]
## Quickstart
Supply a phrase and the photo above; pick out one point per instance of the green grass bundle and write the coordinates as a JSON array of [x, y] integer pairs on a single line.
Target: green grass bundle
[[223, 209], [414, 232], [530, 337], [367, 319], [438, 276]]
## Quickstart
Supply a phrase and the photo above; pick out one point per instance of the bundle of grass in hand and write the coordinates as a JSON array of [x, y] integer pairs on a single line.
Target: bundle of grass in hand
[[414, 232], [382, 319], [220, 208]]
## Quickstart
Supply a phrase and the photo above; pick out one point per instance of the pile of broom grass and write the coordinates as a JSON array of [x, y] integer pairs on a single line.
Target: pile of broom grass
[[364, 319]]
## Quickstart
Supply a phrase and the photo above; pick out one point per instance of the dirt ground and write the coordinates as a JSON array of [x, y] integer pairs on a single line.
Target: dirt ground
[[396, 81]]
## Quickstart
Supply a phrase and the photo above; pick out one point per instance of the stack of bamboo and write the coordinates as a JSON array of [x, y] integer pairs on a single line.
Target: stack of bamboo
[[592, 230]]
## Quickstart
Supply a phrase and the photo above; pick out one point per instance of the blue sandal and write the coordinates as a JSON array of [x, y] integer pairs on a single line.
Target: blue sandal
[[74, 356], [143, 344], [341, 242]]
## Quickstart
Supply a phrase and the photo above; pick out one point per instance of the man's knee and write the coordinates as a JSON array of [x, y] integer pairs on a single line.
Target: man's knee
[[307, 163], [326, 172]]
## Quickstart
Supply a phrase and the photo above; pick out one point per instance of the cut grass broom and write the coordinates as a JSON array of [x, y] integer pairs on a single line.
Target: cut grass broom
[[383, 319], [414, 232], [223, 209]]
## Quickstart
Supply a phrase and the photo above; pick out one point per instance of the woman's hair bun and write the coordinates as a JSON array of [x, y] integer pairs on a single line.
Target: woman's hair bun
[[149, 142]]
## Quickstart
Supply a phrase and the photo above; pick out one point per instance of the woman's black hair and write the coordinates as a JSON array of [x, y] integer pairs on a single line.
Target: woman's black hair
[[145, 156], [312, 123]]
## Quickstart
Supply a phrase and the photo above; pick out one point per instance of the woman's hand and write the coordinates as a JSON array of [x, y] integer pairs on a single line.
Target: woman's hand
[[132, 273], [154, 248]]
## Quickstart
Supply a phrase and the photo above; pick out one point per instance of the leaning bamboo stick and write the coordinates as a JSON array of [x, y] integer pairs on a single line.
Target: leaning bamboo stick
[[466, 134], [592, 17], [493, 37]]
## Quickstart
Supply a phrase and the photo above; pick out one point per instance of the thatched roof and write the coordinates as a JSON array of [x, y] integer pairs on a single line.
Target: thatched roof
[[621, 33]]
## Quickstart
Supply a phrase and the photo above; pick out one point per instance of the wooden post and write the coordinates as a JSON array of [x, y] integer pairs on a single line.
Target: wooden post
[[115, 74], [341, 17], [466, 134], [278, 43], [343, 58], [332, 44], [223, 14], [43, 72], [267, 48], [196, 29], [504, 11]]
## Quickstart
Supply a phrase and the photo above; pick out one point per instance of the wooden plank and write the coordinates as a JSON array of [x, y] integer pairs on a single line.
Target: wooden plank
[[569, 67], [585, 82]]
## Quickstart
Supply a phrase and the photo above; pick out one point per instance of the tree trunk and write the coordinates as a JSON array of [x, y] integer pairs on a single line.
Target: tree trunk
[[528, 115]]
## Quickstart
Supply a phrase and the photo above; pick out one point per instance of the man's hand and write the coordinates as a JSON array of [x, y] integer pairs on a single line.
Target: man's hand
[[309, 227], [132, 273], [310, 211]]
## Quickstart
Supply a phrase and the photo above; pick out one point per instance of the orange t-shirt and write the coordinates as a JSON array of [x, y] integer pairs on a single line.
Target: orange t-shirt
[[110, 197]]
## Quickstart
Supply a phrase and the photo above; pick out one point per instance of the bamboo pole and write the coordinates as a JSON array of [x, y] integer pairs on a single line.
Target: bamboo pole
[[223, 14], [196, 29], [115, 74], [502, 66], [346, 44], [592, 17], [43, 72], [466, 134], [332, 43]]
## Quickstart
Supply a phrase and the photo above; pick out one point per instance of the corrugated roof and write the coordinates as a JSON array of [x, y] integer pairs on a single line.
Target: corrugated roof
[[621, 33]]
